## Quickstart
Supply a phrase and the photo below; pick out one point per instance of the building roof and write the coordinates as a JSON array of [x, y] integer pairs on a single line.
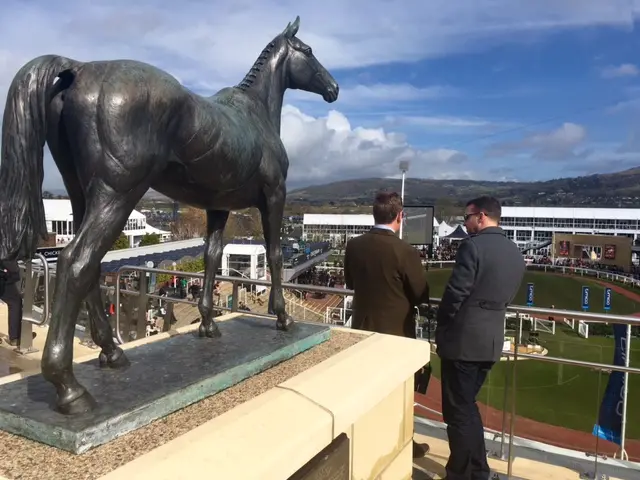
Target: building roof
[[139, 256], [572, 212], [287, 252], [153, 249], [150, 229], [337, 219], [244, 249], [60, 209], [346, 219]]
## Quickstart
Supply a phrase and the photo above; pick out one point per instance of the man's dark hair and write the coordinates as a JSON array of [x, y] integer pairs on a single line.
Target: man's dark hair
[[386, 207], [490, 206]]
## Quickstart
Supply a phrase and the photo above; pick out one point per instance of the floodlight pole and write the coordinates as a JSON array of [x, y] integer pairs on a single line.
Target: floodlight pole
[[404, 166]]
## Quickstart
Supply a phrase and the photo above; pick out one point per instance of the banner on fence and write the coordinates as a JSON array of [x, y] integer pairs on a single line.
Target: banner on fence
[[529, 294], [609, 426], [607, 299], [585, 298]]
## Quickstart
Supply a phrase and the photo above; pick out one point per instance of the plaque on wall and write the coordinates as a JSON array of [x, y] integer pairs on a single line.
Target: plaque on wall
[[563, 251], [610, 252], [332, 463]]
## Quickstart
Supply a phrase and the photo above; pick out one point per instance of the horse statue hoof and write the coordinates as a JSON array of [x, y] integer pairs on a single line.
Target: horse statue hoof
[[117, 359], [210, 331], [81, 404], [284, 324]]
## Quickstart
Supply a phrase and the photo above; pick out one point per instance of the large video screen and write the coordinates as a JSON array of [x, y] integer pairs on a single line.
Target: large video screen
[[417, 228]]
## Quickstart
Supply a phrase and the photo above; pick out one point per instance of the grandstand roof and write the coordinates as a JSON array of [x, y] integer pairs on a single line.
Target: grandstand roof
[[345, 219], [172, 251], [572, 212], [152, 249]]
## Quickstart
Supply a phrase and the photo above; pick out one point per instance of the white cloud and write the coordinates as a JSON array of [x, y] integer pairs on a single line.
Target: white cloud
[[208, 45], [329, 148], [437, 122], [393, 93], [379, 95], [216, 42], [624, 70], [558, 144], [630, 105]]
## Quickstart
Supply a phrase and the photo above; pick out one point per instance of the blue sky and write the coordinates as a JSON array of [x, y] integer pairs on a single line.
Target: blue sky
[[489, 89]]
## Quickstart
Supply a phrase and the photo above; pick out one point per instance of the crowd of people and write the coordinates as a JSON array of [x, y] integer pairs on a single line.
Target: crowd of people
[[446, 252], [545, 259], [322, 278]]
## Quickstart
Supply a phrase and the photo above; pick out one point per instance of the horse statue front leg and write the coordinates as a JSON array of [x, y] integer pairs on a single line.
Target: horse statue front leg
[[216, 221], [271, 213]]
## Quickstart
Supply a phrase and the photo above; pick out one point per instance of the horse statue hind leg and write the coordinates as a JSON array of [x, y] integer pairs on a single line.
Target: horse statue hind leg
[[101, 333], [78, 272], [22, 220]]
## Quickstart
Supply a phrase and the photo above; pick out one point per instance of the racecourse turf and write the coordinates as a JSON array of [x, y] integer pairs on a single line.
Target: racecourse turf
[[560, 395]]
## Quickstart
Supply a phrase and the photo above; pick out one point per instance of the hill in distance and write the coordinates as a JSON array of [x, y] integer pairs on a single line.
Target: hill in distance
[[620, 189], [615, 190]]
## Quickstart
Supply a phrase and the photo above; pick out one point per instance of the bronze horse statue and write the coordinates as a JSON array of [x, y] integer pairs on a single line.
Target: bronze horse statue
[[116, 129]]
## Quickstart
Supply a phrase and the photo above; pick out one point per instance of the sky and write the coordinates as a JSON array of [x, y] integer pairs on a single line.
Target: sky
[[485, 89]]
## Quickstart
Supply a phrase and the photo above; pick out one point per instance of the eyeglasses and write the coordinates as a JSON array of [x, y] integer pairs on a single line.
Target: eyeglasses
[[467, 216]]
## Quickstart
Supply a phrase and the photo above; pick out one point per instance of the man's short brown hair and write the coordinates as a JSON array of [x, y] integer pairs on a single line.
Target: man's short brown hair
[[490, 206], [386, 207]]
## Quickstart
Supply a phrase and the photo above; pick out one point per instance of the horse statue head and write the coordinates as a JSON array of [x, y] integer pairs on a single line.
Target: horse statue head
[[302, 68]]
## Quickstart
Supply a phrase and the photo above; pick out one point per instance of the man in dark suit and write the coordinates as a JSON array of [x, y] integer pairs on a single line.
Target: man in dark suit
[[387, 276], [470, 333]]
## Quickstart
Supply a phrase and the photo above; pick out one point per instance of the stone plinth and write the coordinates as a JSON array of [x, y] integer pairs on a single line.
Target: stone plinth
[[365, 392], [164, 377]]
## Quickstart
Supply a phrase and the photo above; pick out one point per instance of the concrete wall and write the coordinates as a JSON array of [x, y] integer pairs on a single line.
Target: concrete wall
[[365, 391]]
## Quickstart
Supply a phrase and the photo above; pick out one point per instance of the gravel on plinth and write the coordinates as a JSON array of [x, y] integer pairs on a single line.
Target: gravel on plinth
[[24, 459]]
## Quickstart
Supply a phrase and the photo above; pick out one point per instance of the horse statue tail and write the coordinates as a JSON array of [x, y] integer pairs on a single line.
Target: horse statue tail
[[24, 134]]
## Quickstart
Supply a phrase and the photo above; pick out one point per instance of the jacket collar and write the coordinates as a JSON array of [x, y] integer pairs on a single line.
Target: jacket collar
[[491, 230], [382, 231]]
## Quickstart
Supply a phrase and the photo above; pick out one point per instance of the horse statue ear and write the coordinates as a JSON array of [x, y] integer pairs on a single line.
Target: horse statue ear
[[292, 28]]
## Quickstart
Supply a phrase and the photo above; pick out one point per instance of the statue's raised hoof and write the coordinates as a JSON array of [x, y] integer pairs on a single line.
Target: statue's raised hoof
[[117, 359], [210, 331], [285, 324], [81, 403]]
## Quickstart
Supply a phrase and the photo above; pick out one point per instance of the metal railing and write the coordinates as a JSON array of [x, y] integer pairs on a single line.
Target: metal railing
[[558, 316], [515, 356], [30, 277], [235, 282]]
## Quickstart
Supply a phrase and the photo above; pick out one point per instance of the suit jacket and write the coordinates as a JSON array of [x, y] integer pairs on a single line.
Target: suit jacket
[[485, 279], [389, 281]]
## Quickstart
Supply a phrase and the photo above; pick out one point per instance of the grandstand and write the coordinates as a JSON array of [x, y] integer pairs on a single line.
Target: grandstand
[[538, 224]]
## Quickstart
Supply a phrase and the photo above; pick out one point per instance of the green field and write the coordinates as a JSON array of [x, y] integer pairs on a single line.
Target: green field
[[564, 292], [559, 394]]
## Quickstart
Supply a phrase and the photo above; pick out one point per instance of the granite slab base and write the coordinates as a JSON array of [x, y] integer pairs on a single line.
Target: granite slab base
[[164, 376]]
